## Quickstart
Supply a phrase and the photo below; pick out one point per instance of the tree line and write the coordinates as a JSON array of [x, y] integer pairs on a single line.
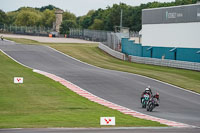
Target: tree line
[[101, 19]]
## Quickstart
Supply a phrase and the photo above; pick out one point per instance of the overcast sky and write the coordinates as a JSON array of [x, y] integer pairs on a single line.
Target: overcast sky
[[78, 7]]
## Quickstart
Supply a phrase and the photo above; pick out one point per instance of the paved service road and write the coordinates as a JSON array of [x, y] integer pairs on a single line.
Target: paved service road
[[118, 87], [48, 39]]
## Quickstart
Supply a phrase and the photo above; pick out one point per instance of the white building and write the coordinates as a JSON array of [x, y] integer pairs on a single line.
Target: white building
[[177, 26]]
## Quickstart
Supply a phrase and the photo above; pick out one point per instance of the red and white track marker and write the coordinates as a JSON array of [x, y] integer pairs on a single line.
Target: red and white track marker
[[18, 80], [107, 121]]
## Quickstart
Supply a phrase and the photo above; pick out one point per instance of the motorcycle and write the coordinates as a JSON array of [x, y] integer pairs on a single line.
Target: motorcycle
[[145, 99], [152, 103]]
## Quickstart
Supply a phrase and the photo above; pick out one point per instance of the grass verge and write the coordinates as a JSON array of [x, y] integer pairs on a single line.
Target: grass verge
[[91, 54], [41, 102]]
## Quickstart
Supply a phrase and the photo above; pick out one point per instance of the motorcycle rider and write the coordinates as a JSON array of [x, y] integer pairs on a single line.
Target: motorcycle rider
[[147, 91], [157, 98], [153, 102]]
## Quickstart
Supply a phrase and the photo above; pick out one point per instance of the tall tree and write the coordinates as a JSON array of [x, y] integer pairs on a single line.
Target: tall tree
[[11, 17], [68, 16], [66, 25], [48, 18], [86, 20], [28, 17], [50, 7], [97, 25], [3, 17]]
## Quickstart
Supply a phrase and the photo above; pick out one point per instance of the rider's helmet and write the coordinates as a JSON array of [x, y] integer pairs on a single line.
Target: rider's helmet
[[157, 95], [147, 90]]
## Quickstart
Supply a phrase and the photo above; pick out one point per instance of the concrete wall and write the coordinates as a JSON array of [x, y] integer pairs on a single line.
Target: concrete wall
[[112, 52], [168, 63]]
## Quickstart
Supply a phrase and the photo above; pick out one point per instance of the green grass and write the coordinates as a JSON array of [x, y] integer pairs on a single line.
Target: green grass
[[23, 41], [91, 54], [41, 102]]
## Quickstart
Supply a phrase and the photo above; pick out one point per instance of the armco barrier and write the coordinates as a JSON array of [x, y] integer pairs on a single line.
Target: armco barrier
[[165, 62], [114, 53]]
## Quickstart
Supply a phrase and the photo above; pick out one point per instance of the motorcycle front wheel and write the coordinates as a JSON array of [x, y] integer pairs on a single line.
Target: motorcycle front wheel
[[150, 107]]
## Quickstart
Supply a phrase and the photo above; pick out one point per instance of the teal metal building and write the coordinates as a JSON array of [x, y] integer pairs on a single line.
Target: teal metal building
[[129, 47]]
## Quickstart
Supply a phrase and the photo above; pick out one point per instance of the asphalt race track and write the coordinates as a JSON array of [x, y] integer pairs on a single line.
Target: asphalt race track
[[118, 87]]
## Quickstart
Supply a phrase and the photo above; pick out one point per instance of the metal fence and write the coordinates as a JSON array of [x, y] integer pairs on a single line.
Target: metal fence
[[110, 39], [134, 34], [40, 31], [113, 41], [92, 35]]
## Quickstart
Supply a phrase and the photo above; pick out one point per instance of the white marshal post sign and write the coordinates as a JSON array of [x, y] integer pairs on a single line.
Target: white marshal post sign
[[18, 80], [107, 121]]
